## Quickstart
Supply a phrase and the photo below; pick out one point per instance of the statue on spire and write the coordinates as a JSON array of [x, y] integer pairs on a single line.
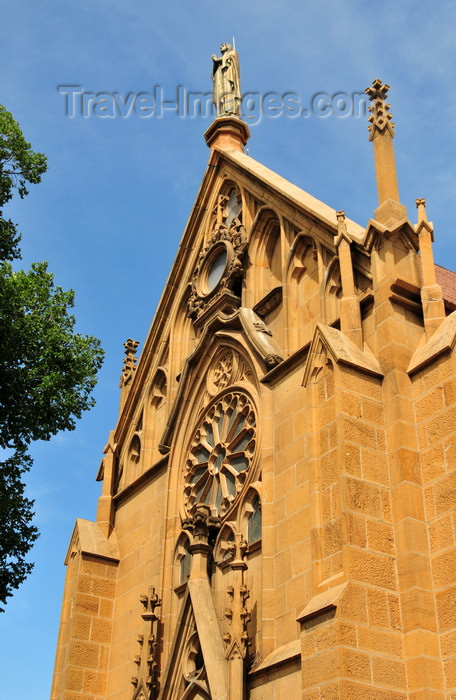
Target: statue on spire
[[227, 83]]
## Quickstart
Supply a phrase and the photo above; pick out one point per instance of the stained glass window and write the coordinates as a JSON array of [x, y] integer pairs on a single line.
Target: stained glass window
[[254, 522]]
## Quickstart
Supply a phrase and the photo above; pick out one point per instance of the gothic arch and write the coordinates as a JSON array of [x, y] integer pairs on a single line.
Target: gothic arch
[[304, 284], [265, 255], [182, 559], [195, 691], [134, 457], [250, 515], [223, 548], [227, 206], [184, 335], [333, 291], [156, 410]]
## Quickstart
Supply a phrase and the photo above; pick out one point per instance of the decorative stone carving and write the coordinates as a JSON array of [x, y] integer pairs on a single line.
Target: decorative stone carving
[[228, 368], [220, 376], [227, 82], [150, 602], [236, 613], [147, 659], [380, 117], [219, 265], [269, 302], [129, 363], [193, 662], [202, 524]]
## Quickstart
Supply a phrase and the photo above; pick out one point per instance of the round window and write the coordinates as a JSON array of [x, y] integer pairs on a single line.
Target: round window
[[216, 270], [221, 453]]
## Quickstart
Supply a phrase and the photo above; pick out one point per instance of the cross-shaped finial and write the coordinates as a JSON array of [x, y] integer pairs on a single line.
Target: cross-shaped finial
[[380, 117]]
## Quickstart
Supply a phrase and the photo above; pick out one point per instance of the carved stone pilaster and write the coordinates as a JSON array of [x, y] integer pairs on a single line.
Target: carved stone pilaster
[[236, 612], [147, 658]]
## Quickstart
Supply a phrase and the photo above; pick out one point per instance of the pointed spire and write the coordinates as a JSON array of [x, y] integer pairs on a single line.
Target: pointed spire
[[381, 133], [350, 313], [431, 291]]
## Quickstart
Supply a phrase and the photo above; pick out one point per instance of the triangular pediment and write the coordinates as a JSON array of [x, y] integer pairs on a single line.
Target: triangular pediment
[[341, 350], [256, 182], [403, 229], [199, 311]]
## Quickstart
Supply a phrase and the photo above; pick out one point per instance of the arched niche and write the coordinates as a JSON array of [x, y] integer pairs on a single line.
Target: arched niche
[[333, 292], [130, 462], [227, 206], [265, 258], [156, 411], [183, 338], [182, 561], [224, 545], [250, 516], [303, 291]]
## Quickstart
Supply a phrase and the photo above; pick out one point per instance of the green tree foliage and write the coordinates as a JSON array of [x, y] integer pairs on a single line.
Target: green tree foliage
[[47, 370]]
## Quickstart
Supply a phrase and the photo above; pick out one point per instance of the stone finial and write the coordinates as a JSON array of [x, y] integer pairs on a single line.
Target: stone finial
[[129, 363], [150, 602], [340, 216], [421, 206], [380, 117], [341, 227]]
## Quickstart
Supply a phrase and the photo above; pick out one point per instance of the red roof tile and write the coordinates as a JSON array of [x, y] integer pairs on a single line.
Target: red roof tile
[[447, 280]]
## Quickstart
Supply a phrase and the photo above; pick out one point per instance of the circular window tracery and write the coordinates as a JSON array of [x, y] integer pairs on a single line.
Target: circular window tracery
[[221, 453], [214, 267]]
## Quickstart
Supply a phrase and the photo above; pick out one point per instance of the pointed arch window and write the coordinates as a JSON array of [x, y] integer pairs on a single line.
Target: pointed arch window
[[254, 523]]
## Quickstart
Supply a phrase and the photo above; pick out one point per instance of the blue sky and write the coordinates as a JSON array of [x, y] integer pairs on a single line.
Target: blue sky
[[109, 214]]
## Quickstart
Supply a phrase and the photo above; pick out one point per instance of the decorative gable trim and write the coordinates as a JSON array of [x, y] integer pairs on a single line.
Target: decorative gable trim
[[341, 349]]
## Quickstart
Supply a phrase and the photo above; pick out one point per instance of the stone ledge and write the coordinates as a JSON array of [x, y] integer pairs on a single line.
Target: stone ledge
[[285, 654], [442, 341], [322, 603]]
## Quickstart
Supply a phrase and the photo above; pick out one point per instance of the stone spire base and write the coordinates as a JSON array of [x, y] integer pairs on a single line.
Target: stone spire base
[[227, 132], [390, 212]]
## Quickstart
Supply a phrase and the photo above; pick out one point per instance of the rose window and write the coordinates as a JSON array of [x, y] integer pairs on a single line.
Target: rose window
[[221, 453]]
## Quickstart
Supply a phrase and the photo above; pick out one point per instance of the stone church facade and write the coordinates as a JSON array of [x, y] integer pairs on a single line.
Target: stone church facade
[[277, 511]]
